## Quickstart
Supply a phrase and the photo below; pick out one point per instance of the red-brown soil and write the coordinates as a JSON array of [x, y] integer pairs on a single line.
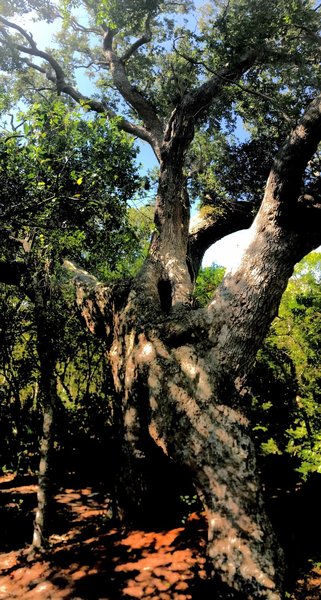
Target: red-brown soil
[[90, 559]]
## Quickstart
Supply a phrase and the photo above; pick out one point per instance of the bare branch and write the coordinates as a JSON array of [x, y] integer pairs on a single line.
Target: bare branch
[[143, 40], [22, 31], [78, 27]]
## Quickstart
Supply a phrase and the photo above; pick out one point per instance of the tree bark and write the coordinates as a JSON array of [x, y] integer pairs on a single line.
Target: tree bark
[[44, 492], [48, 394], [180, 373]]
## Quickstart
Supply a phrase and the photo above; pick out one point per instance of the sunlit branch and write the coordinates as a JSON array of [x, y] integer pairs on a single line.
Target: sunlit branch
[[250, 91], [214, 223], [59, 79], [299, 148], [140, 42], [134, 98]]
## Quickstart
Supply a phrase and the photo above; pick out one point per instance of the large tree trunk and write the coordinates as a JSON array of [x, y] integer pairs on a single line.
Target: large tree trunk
[[171, 397], [178, 372], [181, 373]]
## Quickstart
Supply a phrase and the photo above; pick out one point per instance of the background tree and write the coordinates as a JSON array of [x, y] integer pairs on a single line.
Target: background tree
[[179, 371], [49, 210], [286, 378]]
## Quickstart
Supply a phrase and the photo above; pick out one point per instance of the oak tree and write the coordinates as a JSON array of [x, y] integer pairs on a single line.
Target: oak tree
[[179, 371]]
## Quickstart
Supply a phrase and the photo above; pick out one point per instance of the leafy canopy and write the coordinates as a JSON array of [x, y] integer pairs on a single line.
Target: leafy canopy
[[286, 382], [168, 49], [66, 183]]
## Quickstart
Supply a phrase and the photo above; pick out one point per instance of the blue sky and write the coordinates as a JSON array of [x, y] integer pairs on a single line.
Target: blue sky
[[223, 252]]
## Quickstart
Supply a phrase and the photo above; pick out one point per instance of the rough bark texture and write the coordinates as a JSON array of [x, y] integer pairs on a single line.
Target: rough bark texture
[[163, 371], [179, 373]]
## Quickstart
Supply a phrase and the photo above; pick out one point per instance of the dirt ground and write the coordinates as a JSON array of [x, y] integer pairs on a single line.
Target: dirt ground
[[90, 559]]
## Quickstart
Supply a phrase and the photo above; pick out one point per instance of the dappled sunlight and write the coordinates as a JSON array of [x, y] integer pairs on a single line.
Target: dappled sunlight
[[214, 439], [83, 503], [309, 587], [231, 555], [23, 489], [162, 568], [90, 558]]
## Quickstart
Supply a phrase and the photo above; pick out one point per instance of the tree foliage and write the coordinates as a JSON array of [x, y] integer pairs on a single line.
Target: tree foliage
[[286, 380], [167, 49], [226, 94], [66, 184]]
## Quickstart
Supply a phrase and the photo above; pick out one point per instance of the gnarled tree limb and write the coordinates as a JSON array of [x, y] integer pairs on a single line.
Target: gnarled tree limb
[[59, 78], [95, 300], [212, 224], [279, 238], [142, 106]]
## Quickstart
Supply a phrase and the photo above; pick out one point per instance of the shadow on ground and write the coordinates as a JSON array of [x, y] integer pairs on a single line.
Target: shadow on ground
[[90, 559]]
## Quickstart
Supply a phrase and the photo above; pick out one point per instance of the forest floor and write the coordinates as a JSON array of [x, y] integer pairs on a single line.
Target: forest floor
[[90, 559]]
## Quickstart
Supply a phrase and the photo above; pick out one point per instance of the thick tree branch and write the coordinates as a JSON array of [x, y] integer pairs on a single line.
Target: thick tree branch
[[213, 223], [58, 77], [140, 42], [195, 102], [135, 46], [142, 106], [180, 127], [243, 306], [22, 31], [95, 300], [247, 90], [285, 180]]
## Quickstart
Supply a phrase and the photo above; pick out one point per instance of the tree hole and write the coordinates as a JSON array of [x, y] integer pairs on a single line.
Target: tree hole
[[165, 294]]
